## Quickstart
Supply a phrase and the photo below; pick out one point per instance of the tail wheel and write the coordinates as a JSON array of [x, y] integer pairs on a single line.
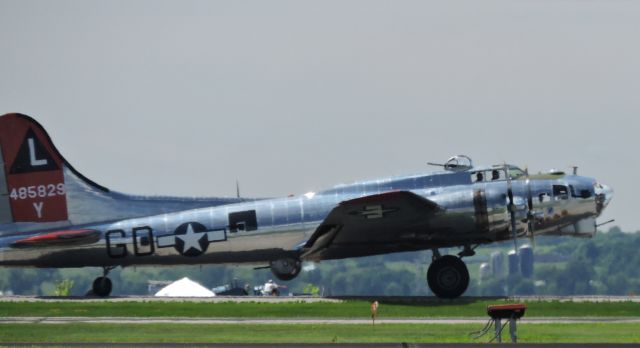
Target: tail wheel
[[102, 286], [448, 277]]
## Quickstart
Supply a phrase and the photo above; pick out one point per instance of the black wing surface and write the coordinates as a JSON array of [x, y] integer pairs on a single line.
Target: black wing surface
[[370, 225]]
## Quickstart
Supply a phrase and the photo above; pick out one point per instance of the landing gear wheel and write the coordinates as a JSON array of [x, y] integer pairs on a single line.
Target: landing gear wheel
[[286, 269], [448, 277], [102, 286]]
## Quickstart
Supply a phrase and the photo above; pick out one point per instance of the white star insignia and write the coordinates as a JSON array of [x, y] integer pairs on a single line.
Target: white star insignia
[[190, 239]]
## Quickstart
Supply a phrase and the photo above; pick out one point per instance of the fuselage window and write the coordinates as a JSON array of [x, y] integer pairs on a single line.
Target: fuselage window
[[560, 192], [477, 177]]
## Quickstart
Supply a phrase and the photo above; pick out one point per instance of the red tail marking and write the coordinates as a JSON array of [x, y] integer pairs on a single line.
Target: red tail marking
[[36, 186]]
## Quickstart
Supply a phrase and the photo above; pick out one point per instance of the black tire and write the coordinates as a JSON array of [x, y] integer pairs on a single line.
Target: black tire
[[286, 269], [102, 286], [448, 277]]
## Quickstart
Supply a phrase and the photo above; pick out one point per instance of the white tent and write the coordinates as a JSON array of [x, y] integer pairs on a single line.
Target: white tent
[[184, 287]]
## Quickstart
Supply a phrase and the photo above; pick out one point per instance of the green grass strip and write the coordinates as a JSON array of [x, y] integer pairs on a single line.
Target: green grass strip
[[304, 333], [349, 309]]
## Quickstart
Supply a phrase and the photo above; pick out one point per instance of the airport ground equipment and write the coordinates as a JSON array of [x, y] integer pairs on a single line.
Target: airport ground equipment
[[509, 312]]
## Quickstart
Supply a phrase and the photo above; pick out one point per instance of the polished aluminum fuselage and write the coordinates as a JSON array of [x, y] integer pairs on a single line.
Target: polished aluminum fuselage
[[262, 230]]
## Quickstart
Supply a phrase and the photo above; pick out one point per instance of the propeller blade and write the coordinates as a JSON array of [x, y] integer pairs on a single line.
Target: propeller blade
[[512, 208], [530, 214]]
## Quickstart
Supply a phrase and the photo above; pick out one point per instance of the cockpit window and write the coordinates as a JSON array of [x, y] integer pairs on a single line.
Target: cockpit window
[[584, 193], [477, 177], [560, 192], [497, 174], [488, 175]]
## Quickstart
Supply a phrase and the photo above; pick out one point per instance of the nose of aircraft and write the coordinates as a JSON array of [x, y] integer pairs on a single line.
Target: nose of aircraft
[[604, 194]]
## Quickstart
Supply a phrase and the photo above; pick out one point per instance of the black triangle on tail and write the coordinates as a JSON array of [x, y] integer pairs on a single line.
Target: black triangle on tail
[[32, 156]]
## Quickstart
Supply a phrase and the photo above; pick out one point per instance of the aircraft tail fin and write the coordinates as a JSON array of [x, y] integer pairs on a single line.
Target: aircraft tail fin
[[40, 189], [32, 180]]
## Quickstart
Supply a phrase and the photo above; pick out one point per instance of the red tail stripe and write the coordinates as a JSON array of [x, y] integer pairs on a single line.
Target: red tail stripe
[[57, 236]]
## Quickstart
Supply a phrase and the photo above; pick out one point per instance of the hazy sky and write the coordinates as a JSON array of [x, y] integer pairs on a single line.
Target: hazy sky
[[185, 97]]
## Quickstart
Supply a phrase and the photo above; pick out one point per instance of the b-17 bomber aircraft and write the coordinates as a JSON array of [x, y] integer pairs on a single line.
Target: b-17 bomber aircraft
[[53, 216]]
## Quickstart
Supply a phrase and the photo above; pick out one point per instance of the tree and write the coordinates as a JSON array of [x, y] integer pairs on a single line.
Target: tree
[[63, 287]]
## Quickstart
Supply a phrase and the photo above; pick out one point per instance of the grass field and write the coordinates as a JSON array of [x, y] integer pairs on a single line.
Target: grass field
[[348, 309], [605, 332], [302, 333]]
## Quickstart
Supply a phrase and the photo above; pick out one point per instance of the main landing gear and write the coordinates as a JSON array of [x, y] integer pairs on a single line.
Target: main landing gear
[[447, 276], [102, 285]]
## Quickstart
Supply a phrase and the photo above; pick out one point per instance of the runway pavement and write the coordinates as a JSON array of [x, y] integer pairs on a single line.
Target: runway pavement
[[287, 321], [310, 299], [433, 299], [265, 299], [322, 345]]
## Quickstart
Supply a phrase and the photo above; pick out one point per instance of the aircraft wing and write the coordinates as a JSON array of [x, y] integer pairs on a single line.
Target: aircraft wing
[[371, 225]]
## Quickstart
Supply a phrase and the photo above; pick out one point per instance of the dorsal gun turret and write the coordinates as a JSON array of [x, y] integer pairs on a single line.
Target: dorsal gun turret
[[458, 163]]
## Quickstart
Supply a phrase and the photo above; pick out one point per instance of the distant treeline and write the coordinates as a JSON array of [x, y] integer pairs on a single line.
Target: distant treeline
[[608, 264]]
